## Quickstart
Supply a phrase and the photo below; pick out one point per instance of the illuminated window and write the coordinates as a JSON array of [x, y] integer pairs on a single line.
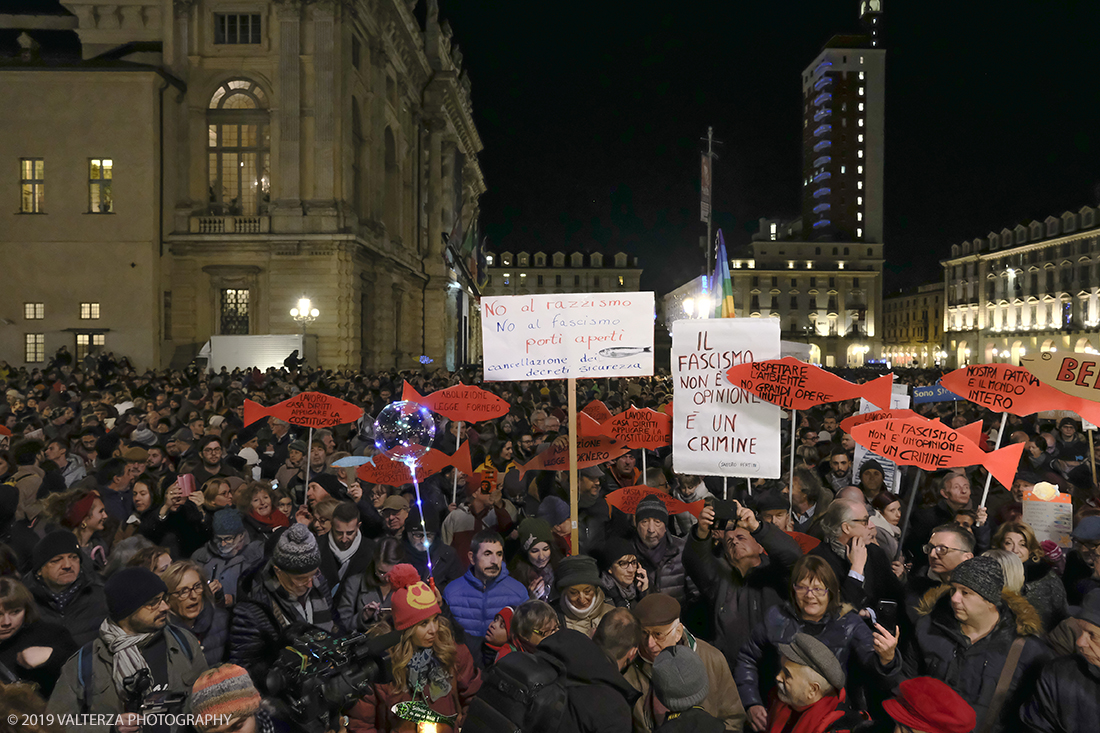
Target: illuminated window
[[489, 259], [238, 144], [861, 106], [89, 311], [34, 348], [236, 28], [861, 91], [859, 138], [859, 169], [859, 185], [859, 201], [861, 122], [859, 232], [860, 153], [89, 343], [861, 76], [34, 311], [32, 185], [100, 200], [507, 278], [234, 312], [859, 216], [622, 281]]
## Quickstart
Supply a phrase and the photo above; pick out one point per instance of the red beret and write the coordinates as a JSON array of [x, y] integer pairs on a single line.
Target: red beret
[[928, 705]]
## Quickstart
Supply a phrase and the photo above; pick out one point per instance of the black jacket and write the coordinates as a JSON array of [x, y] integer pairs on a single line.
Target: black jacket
[[330, 566], [211, 628], [600, 698], [39, 633], [1066, 699], [82, 614], [879, 581], [695, 720]]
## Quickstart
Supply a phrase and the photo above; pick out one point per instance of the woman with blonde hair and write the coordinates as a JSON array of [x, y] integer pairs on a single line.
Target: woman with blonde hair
[[1011, 566], [191, 604], [428, 666], [1042, 585]]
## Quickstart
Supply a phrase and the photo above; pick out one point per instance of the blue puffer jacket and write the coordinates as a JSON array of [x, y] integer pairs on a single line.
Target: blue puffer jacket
[[846, 636], [475, 604]]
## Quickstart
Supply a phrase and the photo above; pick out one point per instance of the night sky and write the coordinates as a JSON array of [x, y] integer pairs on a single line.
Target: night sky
[[591, 115]]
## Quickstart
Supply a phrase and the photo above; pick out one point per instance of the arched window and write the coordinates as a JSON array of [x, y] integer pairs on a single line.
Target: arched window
[[238, 148]]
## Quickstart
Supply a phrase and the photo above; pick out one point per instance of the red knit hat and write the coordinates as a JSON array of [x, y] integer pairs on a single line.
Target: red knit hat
[[413, 600], [506, 614], [926, 704]]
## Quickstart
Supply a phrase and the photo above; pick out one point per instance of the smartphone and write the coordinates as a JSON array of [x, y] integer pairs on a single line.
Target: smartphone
[[187, 484], [724, 511], [886, 612]]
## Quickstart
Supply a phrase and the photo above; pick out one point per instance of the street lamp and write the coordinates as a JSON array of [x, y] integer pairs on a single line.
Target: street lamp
[[304, 313]]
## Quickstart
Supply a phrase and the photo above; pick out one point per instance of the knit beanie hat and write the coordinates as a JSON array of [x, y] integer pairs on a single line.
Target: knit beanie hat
[[983, 575], [129, 589], [554, 510], [506, 615], [331, 484], [413, 600], [651, 507], [577, 570], [227, 522], [614, 550], [532, 532], [680, 678], [223, 694], [869, 465], [52, 545], [296, 551]]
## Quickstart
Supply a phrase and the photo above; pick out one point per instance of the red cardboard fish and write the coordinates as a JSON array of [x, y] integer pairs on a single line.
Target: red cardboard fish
[[393, 472], [850, 422], [590, 452], [627, 500], [308, 410], [587, 426], [640, 428], [1007, 388], [462, 402], [791, 383], [597, 411], [931, 445]]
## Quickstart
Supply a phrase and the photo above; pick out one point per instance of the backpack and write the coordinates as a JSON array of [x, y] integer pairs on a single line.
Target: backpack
[[521, 693], [84, 663]]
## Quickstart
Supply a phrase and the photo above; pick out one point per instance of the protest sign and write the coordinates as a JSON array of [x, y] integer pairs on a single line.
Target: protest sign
[[1074, 374], [934, 393], [722, 429], [462, 402], [307, 410], [640, 428], [381, 469], [891, 475], [1007, 388], [1050, 519], [626, 500], [586, 426], [791, 383], [591, 451], [583, 335], [597, 411]]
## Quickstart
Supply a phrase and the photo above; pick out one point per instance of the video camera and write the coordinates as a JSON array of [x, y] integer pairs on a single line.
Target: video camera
[[316, 675]]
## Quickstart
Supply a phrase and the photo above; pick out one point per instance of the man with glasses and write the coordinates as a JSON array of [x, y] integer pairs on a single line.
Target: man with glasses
[[659, 616], [1083, 563], [863, 569], [949, 546], [229, 556], [422, 539], [289, 590], [134, 639], [212, 465]]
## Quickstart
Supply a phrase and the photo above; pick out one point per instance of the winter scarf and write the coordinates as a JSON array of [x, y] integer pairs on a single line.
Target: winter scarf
[[427, 675], [274, 520], [344, 556], [126, 650], [628, 592], [62, 599]]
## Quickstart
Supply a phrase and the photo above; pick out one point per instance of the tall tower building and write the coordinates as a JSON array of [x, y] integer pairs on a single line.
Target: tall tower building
[[843, 113]]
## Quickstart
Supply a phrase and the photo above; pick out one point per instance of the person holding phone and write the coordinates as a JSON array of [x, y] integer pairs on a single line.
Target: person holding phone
[[815, 609]]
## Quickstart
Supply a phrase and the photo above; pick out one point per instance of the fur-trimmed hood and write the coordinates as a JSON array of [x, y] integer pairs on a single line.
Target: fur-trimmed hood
[[1012, 604]]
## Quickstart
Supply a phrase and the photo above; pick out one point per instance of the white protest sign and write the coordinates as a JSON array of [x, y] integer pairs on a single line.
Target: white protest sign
[[582, 335], [1051, 519], [891, 474], [719, 429]]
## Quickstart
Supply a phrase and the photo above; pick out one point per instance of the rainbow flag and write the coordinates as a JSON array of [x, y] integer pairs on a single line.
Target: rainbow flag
[[722, 283]]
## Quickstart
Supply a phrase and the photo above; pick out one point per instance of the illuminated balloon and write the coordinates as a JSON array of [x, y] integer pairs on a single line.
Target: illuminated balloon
[[404, 430]]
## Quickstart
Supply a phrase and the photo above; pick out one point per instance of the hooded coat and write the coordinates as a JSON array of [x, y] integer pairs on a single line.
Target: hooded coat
[[600, 698], [939, 649]]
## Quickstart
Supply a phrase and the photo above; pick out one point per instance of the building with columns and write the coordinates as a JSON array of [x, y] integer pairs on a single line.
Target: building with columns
[[912, 327], [193, 168], [1033, 287], [522, 273]]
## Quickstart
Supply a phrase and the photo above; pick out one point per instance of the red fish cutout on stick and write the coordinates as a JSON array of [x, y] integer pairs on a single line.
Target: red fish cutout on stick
[[931, 445], [587, 427], [597, 411], [850, 422], [461, 403], [640, 428], [1007, 388], [627, 499], [790, 383], [591, 451], [307, 410], [392, 471]]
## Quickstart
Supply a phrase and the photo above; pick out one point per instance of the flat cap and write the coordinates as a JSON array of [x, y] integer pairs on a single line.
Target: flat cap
[[809, 652], [657, 609]]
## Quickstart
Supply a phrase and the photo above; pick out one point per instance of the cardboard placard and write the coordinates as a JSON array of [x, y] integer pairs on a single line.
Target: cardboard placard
[[868, 413], [1075, 374], [591, 451], [596, 410], [931, 445], [794, 384], [640, 428], [307, 410], [721, 429], [461, 403], [891, 474], [626, 500], [1007, 388], [587, 427], [581, 336], [1050, 520], [388, 471]]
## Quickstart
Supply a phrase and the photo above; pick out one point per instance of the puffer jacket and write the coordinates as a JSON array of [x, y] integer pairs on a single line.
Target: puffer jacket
[[1066, 699], [475, 604], [665, 566], [846, 635], [230, 570], [939, 649], [739, 602], [82, 614], [211, 628]]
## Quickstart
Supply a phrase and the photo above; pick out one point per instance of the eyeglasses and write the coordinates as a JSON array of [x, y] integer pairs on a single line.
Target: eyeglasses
[[211, 450], [227, 540], [939, 549], [627, 563], [191, 592], [547, 632], [865, 521], [806, 590], [660, 636]]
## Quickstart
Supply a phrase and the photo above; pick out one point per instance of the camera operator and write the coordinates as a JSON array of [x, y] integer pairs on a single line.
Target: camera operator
[[224, 700], [134, 640]]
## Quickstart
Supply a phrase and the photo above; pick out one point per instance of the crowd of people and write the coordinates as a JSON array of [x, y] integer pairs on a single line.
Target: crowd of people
[[153, 545]]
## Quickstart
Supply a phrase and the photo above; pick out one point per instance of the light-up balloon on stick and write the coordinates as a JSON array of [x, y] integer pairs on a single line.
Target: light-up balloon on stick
[[404, 431]]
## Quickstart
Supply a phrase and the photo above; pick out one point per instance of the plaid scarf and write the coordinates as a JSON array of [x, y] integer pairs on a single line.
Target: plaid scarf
[[289, 610]]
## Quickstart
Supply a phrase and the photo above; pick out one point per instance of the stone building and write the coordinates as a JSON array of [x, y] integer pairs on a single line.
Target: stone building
[[912, 327], [193, 168], [522, 273], [1033, 287]]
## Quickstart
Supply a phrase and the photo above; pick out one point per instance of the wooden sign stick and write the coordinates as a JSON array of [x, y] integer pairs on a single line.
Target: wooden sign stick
[[989, 476], [1092, 457], [573, 462]]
